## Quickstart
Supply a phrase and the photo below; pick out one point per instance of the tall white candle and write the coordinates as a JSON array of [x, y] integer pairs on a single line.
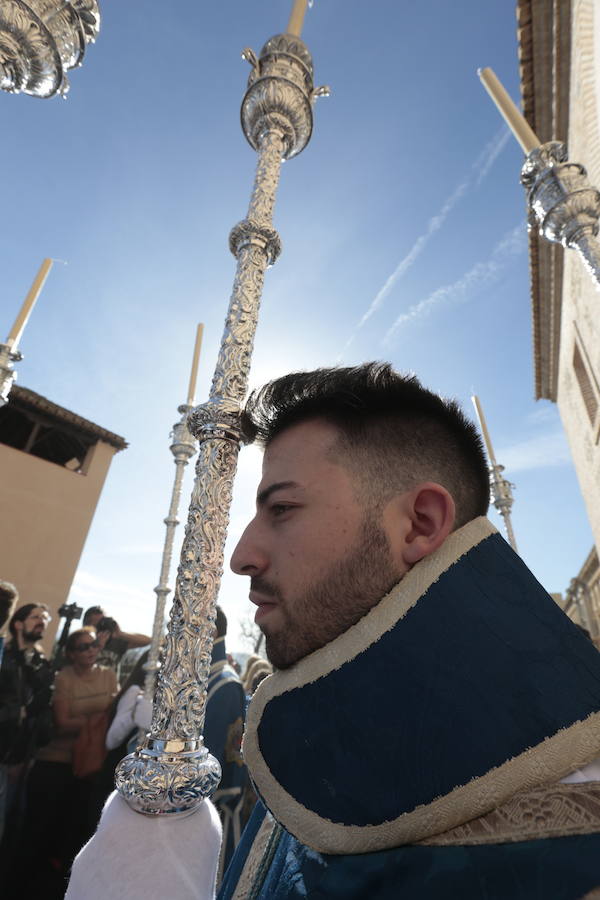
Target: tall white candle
[[297, 17], [195, 360], [519, 126], [16, 331], [482, 424]]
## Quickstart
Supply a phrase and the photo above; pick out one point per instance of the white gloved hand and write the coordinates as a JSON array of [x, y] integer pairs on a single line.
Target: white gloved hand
[[135, 857], [142, 713]]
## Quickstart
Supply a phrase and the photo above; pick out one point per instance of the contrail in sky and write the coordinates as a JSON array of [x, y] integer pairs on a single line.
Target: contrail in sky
[[479, 170], [482, 273]]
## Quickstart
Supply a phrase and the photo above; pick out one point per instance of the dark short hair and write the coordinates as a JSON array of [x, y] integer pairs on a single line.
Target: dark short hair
[[86, 631], [220, 622], [8, 597], [394, 433], [92, 611], [22, 613]]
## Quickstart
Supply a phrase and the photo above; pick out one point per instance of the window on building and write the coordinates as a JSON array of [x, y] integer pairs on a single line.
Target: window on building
[[43, 436], [587, 384]]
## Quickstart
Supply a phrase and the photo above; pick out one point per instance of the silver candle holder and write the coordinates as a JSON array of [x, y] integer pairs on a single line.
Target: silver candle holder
[[172, 772], [563, 206], [40, 40]]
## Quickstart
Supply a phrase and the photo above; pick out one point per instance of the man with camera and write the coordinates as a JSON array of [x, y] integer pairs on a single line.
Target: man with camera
[[26, 680], [113, 642]]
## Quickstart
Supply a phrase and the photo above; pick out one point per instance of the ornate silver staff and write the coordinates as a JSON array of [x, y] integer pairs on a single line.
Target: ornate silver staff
[[183, 447], [9, 352], [562, 204], [500, 488], [172, 772], [40, 40]]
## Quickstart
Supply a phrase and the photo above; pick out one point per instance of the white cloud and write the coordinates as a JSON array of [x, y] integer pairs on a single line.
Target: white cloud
[[490, 154], [539, 452], [92, 589], [481, 274], [479, 170]]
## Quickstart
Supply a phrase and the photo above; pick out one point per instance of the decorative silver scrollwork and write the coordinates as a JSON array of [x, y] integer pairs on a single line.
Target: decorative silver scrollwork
[[171, 773], [40, 40], [563, 206]]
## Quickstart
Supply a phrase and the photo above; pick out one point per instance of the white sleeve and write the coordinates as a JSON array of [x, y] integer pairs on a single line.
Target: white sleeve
[[142, 713], [133, 857], [123, 723]]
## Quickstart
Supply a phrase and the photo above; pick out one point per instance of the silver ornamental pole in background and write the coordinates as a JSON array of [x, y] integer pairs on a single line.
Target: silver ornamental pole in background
[[172, 772], [500, 488], [40, 40], [183, 447], [9, 352], [563, 206]]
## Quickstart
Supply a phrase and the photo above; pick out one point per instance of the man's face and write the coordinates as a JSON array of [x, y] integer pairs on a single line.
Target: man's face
[[103, 639], [317, 558], [34, 626], [93, 619]]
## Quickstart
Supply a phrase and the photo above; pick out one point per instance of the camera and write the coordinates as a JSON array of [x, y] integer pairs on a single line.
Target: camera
[[70, 611]]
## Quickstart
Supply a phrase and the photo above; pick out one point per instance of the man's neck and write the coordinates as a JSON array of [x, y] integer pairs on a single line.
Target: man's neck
[[23, 644]]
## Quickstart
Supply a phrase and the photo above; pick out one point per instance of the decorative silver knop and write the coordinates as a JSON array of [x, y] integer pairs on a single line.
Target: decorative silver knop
[[563, 206], [500, 488], [40, 40], [8, 356], [172, 772], [502, 498]]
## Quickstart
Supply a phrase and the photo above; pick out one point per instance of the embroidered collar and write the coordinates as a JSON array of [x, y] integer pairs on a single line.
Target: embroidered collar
[[463, 686]]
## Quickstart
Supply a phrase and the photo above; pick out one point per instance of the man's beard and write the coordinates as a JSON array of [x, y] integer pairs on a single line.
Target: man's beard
[[32, 637], [350, 588]]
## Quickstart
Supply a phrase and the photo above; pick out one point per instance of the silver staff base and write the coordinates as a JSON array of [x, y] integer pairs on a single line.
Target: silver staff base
[[168, 777]]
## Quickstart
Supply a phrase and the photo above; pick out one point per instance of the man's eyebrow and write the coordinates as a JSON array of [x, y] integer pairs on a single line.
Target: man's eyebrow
[[263, 496]]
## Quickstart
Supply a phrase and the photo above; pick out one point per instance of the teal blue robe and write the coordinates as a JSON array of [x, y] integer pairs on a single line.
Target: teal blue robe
[[420, 753]]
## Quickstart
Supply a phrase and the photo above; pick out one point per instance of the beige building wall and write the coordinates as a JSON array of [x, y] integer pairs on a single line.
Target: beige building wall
[[47, 511], [578, 394]]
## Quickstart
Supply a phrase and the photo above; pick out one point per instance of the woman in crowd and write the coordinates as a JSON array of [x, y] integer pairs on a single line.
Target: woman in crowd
[[58, 815]]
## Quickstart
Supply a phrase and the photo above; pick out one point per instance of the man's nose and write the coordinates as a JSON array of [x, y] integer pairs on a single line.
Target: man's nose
[[249, 557]]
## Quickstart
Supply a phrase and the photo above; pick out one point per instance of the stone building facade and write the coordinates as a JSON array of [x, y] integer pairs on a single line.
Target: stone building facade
[[559, 56]]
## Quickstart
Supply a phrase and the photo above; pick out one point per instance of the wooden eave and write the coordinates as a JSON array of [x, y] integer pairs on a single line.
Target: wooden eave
[[543, 29]]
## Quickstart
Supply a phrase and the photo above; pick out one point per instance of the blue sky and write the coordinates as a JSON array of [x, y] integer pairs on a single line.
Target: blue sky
[[404, 238]]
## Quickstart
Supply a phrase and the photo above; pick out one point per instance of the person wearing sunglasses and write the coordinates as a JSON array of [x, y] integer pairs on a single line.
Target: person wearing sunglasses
[[58, 814]]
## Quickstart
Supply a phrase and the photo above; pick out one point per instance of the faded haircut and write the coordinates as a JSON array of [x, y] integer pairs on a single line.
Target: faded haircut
[[394, 433]]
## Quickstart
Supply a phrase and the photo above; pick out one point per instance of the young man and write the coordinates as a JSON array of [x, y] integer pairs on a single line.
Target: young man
[[431, 727], [432, 705], [114, 643]]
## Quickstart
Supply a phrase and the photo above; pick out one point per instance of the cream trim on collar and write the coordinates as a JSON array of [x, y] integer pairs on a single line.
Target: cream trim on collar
[[551, 760]]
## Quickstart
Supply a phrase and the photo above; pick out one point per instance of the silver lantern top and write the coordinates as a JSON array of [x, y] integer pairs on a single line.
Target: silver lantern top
[[40, 40]]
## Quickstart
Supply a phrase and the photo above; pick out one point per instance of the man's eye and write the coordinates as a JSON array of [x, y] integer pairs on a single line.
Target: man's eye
[[278, 509]]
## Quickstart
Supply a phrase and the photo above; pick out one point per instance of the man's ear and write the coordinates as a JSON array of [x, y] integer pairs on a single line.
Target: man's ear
[[431, 514], [18, 626]]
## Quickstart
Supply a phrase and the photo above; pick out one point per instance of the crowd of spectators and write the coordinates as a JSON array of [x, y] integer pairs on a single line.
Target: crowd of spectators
[[54, 717], [65, 723]]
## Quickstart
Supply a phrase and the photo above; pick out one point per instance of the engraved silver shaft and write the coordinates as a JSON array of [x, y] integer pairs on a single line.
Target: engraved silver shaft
[[183, 447], [172, 772]]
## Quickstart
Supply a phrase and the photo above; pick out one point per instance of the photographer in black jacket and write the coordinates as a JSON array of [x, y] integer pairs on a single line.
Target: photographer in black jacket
[[26, 680]]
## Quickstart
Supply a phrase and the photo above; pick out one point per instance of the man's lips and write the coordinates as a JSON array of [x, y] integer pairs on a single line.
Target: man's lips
[[265, 605]]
